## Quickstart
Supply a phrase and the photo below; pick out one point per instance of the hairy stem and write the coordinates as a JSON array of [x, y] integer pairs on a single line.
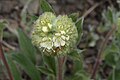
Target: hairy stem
[[103, 45], [2, 57], [61, 61]]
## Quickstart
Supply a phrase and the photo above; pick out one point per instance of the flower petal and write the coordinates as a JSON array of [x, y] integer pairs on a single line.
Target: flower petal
[[57, 43], [62, 42], [45, 29]]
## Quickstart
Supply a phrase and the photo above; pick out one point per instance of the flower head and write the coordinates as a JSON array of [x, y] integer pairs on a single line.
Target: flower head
[[54, 35]]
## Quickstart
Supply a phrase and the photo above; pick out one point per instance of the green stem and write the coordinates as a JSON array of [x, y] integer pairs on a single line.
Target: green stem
[[61, 62], [113, 75]]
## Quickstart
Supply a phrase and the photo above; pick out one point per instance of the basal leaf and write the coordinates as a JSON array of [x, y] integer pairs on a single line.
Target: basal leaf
[[27, 65], [82, 75], [26, 46], [46, 71], [45, 6], [16, 74], [50, 62]]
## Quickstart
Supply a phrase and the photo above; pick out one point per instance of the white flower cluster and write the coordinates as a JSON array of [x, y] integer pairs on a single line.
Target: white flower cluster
[[54, 35]]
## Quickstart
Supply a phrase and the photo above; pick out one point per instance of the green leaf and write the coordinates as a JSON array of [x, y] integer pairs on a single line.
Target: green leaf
[[74, 16], [81, 75], [46, 71], [75, 54], [51, 78], [113, 48], [79, 25], [77, 60], [110, 16], [112, 58], [13, 68], [45, 6], [78, 66], [115, 75], [26, 46], [118, 39], [27, 65], [2, 25], [118, 64], [34, 18], [24, 12], [50, 62]]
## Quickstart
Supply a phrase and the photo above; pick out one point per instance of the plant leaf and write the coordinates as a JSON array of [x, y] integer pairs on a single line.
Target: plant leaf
[[2, 25], [75, 54], [13, 68], [46, 71], [45, 6], [26, 46], [24, 12], [74, 16], [27, 65], [33, 17], [50, 62], [79, 25], [109, 15], [82, 75], [116, 76], [78, 66], [77, 60]]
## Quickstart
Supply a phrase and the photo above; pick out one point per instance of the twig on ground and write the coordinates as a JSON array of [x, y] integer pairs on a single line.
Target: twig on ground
[[8, 45], [92, 8], [102, 47]]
